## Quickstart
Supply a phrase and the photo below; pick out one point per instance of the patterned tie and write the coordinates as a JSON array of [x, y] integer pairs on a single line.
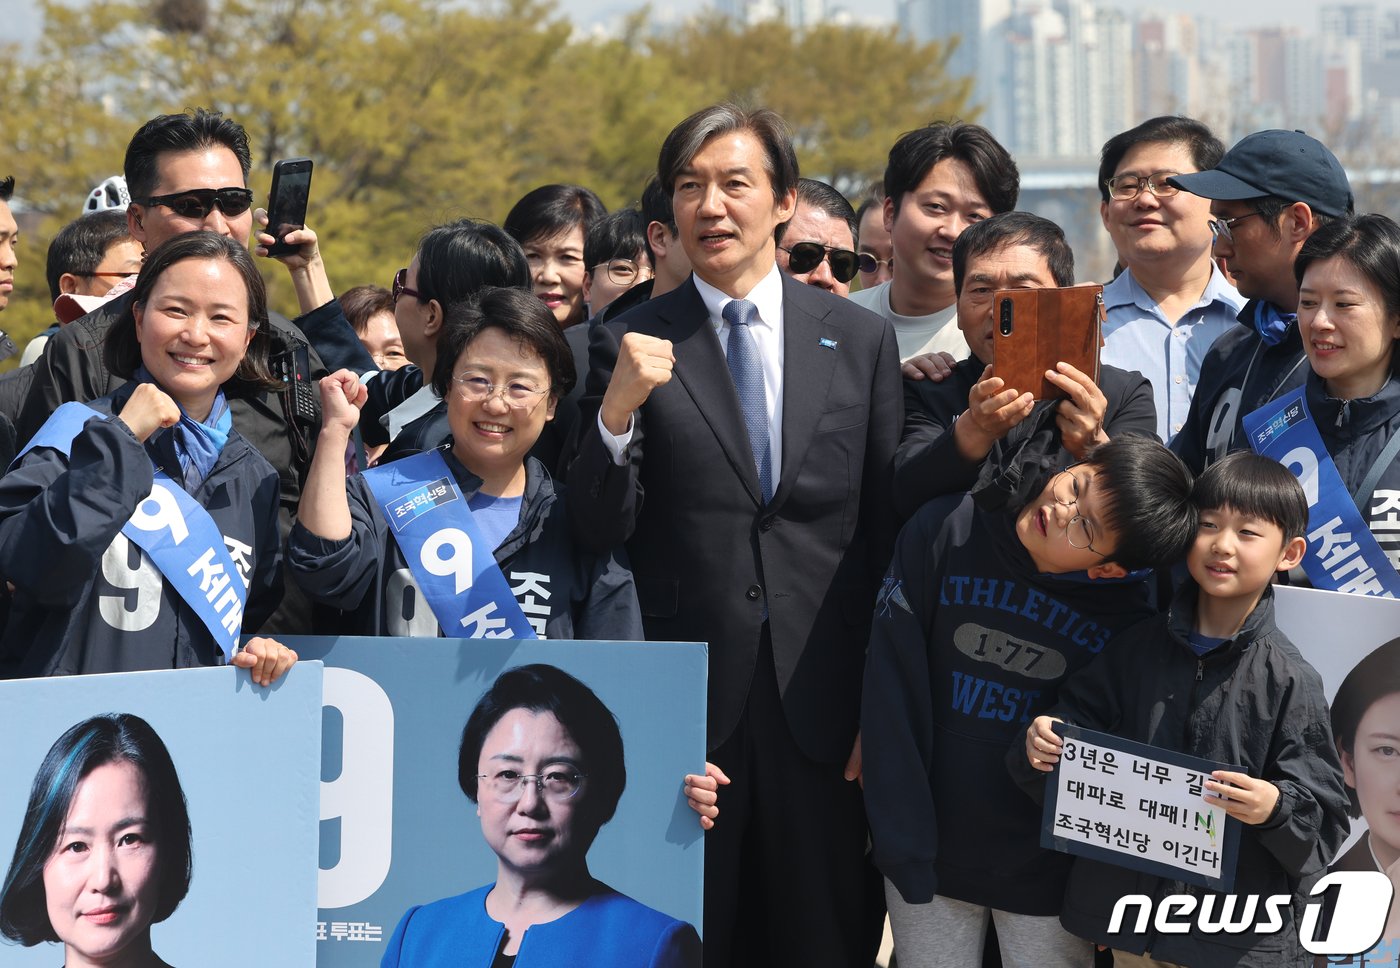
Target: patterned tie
[[747, 372]]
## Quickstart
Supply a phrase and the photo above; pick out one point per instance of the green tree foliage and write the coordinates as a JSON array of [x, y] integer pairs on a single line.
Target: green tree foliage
[[418, 111]]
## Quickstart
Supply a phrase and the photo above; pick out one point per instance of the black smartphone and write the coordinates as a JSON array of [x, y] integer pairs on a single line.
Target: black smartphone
[[286, 207]]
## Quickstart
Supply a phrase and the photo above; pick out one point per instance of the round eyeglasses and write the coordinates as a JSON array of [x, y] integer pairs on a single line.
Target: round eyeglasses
[[556, 786], [477, 388], [624, 272], [1066, 494]]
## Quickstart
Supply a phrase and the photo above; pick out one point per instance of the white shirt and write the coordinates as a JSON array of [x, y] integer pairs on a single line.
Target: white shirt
[[916, 335], [768, 339]]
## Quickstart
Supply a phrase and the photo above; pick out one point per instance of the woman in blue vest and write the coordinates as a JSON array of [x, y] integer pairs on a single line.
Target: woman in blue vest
[[471, 539], [541, 758], [1349, 319], [139, 531]]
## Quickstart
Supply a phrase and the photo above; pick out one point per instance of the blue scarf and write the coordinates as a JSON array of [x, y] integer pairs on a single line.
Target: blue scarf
[[1270, 324], [197, 445]]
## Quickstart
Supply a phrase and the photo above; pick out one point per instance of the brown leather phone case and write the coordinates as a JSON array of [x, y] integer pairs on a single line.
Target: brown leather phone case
[[1033, 329]]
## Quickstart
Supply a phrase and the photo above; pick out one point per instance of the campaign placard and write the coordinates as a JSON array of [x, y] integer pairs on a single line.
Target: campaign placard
[[1353, 642], [169, 814], [397, 829], [1138, 806]]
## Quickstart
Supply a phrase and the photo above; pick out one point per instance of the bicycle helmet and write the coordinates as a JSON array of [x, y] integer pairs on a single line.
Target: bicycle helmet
[[110, 194]]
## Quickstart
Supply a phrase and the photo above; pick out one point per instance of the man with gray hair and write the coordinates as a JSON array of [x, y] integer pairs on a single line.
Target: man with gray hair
[[766, 529]]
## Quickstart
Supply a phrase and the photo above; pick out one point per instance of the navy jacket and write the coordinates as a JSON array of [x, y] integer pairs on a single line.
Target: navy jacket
[[969, 644], [1355, 432], [714, 561], [88, 600], [1239, 374], [1254, 702], [565, 591]]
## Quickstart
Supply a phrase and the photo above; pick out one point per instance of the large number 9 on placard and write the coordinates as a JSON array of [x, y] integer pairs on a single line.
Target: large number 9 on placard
[[362, 796]]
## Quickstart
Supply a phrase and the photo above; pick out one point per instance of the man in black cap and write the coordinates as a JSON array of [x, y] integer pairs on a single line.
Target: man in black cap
[[1268, 194]]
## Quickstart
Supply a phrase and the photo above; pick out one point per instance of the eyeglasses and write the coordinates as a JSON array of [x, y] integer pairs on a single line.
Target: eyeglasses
[[868, 263], [1127, 187], [1220, 227], [1079, 531], [199, 202], [398, 288], [623, 272], [107, 275], [806, 256], [557, 786], [477, 388]]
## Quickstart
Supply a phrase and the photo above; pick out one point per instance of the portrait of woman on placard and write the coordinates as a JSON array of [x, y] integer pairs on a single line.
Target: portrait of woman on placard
[[541, 757], [104, 849], [1366, 726]]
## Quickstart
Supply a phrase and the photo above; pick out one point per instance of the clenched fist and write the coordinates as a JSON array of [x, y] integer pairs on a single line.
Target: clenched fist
[[148, 409], [643, 364], [342, 396]]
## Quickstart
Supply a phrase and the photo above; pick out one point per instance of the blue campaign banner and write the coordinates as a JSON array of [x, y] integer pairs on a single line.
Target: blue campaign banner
[[176, 532], [397, 829], [106, 860], [1342, 553], [450, 560]]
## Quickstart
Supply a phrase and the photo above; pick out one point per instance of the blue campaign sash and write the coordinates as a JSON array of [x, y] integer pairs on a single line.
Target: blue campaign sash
[[1342, 553], [450, 560], [176, 533]]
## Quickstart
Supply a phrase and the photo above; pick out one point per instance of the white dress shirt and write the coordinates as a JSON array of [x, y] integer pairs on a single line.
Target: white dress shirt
[[768, 338]]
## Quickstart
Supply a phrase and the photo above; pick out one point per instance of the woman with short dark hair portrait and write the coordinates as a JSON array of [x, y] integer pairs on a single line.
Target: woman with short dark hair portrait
[[104, 850], [541, 757]]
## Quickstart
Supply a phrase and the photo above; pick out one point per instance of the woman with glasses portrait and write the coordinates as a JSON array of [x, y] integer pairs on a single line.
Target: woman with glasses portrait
[[541, 758], [502, 366]]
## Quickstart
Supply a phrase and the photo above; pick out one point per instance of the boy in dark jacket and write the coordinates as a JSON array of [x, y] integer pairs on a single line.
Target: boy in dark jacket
[[1215, 678], [983, 614]]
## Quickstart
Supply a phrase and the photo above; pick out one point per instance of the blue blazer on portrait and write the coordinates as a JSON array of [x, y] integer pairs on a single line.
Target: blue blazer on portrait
[[609, 930]]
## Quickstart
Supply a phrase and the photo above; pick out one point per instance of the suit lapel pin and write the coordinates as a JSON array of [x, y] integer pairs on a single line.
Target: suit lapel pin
[[828, 343]]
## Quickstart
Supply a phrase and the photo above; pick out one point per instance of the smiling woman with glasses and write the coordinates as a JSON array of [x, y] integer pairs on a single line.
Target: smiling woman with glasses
[[502, 367], [541, 758]]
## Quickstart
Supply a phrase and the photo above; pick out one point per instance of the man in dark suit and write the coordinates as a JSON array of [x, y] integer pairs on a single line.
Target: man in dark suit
[[766, 526]]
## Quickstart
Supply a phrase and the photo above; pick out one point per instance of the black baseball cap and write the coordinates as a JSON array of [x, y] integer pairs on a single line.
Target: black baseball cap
[[1286, 164]]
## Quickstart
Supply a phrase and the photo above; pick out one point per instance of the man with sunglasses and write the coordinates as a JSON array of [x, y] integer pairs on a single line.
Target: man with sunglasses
[[817, 245], [1171, 301], [186, 173], [1268, 194]]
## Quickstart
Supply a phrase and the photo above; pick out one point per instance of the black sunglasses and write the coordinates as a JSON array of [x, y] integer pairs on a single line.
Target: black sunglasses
[[397, 288], [806, 256], [868, 263], [197, 203]]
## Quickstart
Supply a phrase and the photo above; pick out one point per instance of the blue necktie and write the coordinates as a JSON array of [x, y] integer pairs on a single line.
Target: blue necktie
[[747, 372]]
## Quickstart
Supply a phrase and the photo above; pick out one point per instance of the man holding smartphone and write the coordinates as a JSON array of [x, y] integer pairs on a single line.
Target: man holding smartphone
[[187, 173], [971, 419]]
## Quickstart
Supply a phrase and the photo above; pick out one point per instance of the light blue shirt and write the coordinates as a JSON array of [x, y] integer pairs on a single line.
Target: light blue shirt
[[1138, 337]]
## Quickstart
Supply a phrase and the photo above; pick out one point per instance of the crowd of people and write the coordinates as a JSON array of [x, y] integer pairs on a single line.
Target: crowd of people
[[677, 422]]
